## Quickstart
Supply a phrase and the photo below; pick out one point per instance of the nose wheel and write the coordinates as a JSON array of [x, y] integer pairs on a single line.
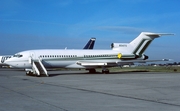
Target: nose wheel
[[29, 73]]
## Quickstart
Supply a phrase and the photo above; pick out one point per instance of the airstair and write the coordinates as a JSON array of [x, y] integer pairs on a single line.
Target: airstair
[[38, 68]]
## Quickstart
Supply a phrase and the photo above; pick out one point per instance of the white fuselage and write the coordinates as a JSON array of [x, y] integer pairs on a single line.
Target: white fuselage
[[55, 58]]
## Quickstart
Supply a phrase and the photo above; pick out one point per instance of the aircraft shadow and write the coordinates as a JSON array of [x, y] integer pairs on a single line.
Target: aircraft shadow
[[87, 73]]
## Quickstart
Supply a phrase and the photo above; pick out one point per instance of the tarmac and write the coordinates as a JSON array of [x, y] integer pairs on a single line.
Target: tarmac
[[80, 91]]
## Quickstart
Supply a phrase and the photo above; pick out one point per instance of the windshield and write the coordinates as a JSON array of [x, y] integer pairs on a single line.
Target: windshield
[[17, 55]]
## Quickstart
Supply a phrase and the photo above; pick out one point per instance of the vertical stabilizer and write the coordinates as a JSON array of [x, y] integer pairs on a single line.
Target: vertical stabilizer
[[141, 43], [90, 44]]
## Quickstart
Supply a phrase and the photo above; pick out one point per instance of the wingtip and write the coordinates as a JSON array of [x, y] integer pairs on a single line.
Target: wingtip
[[167, 59]]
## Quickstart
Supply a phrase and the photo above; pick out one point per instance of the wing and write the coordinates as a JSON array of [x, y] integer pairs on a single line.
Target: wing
[[116, 63]]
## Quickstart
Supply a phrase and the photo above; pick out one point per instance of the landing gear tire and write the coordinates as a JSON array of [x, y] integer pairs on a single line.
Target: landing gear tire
[[105, 71], [29, 73], [92, 70], [38, 75]]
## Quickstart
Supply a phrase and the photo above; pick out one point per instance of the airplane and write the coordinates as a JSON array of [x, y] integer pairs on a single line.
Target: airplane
[[3, 59], [40, 60], [89, 45]]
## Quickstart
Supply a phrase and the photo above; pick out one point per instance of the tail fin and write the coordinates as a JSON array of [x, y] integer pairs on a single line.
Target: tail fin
[[90, 44], [140, 44]]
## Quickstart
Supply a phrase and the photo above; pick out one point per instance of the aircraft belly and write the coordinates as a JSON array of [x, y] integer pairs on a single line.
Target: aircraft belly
[[79, 64], [58, 64]]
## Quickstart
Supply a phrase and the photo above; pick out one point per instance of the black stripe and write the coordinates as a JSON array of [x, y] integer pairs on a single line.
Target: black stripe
[[140, 44], [145, 47]]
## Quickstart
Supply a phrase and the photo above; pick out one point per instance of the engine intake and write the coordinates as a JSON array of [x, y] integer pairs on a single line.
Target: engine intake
[[145, 57]]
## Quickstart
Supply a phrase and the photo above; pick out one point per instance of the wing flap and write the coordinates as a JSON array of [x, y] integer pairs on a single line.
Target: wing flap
[[92, 63], [143, 61], [115, 63]]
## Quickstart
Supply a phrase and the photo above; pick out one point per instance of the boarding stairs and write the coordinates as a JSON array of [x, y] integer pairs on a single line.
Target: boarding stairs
[[38, 68]]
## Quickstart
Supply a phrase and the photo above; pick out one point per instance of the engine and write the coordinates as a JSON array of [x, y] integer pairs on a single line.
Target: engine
[[118, 45], [144, 57]]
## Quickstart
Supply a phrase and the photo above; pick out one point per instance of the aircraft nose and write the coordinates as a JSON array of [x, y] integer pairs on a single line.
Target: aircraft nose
[[12, 63], [8, 62], [17, 63]]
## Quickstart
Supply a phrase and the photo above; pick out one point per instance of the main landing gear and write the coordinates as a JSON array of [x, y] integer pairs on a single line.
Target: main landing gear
[[92, 70], [104, 71]]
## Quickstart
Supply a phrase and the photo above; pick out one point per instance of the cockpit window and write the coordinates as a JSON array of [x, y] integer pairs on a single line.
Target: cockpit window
[[18, 55]]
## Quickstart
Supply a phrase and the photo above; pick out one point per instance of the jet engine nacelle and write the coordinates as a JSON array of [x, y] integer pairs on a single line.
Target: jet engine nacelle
[[118, 45], [144, 57]]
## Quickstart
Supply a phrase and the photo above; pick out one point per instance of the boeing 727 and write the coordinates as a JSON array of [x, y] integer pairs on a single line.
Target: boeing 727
[[89, 45], [3, 59], [40, 60]]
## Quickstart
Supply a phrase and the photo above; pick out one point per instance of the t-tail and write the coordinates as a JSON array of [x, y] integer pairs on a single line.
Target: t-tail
[[138, 46]]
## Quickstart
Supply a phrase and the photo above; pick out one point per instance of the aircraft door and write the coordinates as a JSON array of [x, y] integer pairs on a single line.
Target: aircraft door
[[32, 55]]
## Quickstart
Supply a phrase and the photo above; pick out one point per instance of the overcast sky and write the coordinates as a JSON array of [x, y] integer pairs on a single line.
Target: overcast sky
[[38, 24]]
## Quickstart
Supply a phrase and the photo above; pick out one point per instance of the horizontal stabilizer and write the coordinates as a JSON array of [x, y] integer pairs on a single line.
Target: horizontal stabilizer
[[156, 34]]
